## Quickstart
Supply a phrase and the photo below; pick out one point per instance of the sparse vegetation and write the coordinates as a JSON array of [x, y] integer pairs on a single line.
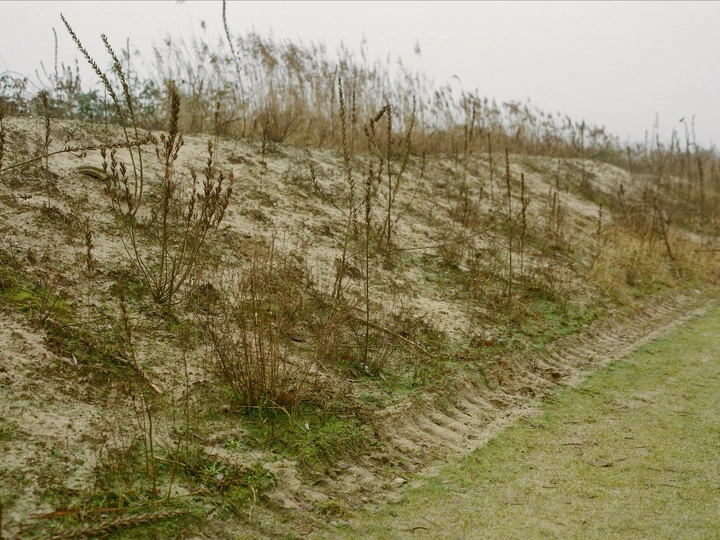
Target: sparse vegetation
[[637, 481], [349, 258]]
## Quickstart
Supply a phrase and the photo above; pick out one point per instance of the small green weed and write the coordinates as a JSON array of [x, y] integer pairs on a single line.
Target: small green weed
[[313, 437]]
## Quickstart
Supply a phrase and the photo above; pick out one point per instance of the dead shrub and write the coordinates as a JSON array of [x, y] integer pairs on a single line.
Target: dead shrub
[[249, 351]]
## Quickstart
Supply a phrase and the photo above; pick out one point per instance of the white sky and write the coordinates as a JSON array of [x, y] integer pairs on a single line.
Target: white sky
[[611, 63]]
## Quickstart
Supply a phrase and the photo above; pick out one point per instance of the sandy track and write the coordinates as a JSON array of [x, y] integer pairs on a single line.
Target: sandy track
[[630, 453], [477, 414]]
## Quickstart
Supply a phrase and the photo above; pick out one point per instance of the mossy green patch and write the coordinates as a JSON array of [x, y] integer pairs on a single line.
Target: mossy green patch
[[313, 437]]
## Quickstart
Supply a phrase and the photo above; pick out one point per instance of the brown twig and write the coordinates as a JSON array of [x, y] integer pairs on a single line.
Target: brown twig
[[114, 357], [85, 148], [124, 521], [390, 332]]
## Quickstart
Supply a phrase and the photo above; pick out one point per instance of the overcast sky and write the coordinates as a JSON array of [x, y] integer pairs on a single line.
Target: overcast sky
[[615, 64]]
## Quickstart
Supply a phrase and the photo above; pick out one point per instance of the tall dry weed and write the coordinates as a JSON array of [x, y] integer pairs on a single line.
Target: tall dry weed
[[165, 243]]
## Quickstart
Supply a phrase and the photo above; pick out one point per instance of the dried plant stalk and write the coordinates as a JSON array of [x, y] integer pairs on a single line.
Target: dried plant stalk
[[178, 223]]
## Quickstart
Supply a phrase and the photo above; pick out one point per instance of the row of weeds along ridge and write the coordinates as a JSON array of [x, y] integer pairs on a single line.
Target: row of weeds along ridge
[[209, 318]]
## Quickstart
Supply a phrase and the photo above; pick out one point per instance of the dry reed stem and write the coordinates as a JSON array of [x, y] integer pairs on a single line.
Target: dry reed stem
[[80, 149], [2, 135]]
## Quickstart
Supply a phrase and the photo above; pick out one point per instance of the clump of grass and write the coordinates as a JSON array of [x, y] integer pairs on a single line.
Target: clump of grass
[[249, 354], [315, 438]]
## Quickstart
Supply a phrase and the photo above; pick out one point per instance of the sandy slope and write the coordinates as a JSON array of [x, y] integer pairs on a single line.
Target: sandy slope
[[58, 417]]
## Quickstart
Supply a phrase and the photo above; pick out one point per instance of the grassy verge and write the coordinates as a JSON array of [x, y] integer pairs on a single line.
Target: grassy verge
[[630, 453]]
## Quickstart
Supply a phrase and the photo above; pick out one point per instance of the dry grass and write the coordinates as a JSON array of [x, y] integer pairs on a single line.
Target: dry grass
[[409, 261], [252, 86], [245, 330]]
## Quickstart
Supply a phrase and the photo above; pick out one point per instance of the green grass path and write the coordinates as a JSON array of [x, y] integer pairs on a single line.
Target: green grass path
[[634, 452]]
